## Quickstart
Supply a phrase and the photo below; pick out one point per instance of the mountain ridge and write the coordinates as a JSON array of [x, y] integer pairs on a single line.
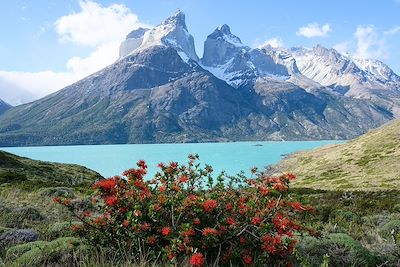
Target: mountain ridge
[[160, 91]]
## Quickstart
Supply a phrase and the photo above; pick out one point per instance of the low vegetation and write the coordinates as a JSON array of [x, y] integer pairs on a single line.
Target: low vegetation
[[108, 226], [368, 163]]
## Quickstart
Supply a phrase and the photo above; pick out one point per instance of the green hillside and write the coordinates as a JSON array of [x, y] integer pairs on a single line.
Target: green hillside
[[28, 172], [369, 162]]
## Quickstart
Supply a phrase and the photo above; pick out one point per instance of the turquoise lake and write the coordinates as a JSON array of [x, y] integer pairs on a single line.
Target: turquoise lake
[[111, 160]]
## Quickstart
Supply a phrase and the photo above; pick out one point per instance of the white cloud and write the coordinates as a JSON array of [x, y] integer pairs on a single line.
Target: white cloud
[[100, 27], [22, 87], [314, 30], [393, 31], [95, 25], [274, 42], [369, 45], [104, 55], [343, 47]]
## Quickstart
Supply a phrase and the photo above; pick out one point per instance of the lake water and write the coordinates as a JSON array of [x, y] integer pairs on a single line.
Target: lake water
[[111, 160]]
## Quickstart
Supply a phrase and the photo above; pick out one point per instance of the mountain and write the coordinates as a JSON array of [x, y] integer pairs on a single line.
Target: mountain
[[349, 76], [228, 59], [4, 106], [160, 91], [369, 162]]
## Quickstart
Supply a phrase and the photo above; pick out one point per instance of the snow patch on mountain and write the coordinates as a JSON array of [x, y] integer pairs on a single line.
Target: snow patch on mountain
[[172, 32]]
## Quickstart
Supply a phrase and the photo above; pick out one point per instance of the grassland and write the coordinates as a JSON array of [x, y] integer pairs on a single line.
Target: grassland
[[370, 162]]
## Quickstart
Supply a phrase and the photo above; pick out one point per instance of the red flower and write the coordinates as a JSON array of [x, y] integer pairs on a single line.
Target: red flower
[[183, 179], [165, 231], [152, 240], [247, 259], [296, 206], [162, 188], [145, 226], [229, 206], [75, 227], [137, 213], [57, 200], [197, 260], [230, 221], [291, 176], [196, 221], [112, 201], [173, 165], [280, 187], [256, 220], [161, 165], [125, 223], [87, 213], [243, 209], [209, 231], [209, 205], [142, 164], [189, 232], [242, 240], [107, 184]]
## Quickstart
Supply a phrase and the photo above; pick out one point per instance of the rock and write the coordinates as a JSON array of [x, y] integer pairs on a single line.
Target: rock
[[58, 192], [18, 236]]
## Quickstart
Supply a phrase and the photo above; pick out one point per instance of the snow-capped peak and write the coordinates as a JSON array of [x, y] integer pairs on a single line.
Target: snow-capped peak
[[176, 19], [173, 33], [378, 69], [224, 32]]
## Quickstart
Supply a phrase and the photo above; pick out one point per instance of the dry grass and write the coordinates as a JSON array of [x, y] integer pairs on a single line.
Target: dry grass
[[370, 162]]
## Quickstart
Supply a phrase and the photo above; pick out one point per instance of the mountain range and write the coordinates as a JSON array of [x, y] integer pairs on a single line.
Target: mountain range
[[159, 90]]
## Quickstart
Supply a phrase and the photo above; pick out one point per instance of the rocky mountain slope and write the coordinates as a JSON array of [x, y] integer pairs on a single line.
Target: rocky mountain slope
[[369, 162], [160, 91], [348, 76], [4, 106]]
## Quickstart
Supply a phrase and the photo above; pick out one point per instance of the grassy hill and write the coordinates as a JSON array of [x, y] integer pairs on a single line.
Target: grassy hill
[[27, 172], [369, 162]]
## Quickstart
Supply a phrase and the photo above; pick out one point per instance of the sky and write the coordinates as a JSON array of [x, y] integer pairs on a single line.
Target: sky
[[47, 45]]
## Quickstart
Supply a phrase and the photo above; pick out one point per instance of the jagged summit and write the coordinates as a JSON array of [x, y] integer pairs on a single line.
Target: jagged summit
[[171, 32], [177, 19], [230, 60], [225, 29]]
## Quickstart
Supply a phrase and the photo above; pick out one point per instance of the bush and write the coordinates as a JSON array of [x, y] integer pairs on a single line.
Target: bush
[[59, 229], [60, 252], [184, 215], [19, 217], [396, 207], [341, 248], [17, 251], [390, 229]]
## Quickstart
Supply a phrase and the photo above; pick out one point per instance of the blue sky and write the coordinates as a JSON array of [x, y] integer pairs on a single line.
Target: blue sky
[[45, 47]]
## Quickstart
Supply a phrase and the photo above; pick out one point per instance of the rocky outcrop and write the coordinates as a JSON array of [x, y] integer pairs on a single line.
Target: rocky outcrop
[[15, 237]]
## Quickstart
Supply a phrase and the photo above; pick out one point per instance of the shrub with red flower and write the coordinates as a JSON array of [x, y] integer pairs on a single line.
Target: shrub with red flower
[[190, 216]]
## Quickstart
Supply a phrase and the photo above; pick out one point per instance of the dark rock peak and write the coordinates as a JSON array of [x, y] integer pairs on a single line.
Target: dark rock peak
[[138, 33], [225, 31], [178, 19]]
